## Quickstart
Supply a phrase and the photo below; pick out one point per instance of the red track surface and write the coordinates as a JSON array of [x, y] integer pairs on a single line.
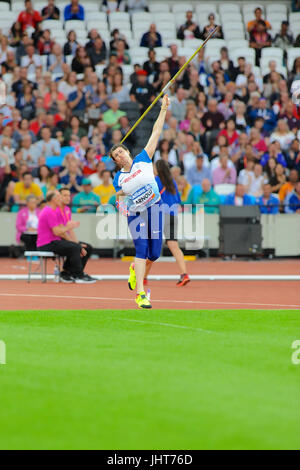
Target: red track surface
[[19, 295]]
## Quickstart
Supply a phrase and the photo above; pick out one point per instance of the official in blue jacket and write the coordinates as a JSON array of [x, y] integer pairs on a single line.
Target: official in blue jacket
[[268, 203], [239, 198]]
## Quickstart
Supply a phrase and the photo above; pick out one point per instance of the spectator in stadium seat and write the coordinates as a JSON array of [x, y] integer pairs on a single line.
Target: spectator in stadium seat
[[166, 153], [151, 66], [74, 11], [27, 224], [224, 173], [184, 187], [97, 53], [173, 61], [189, 30], [198, 172], [29, 18], [287, 113], [122, 56], [56, 60], [81, 60], [26, 103], [295, 5], [45, 43], [47, 146], [142, 93], [278, 179], [272, 66], [105, 190], [178, 104], [51, 11], [289, 186], [208, 197], [151, 38], [268, 203], [211, 26], [226, 64], [86, 200], [283, 39], [52, 98], [137, 5], [230, 132], [110, 6], [77, 100], [71, 45], [266, 113], [15, 34], [96, 178], [254, 24], [282, 134], [259, 38], [293, 155], [26, 187], [111, 117], [292, 200], [31, 60], [29, 151], [239, 198]]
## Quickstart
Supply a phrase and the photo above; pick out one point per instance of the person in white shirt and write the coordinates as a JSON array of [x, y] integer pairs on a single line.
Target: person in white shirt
[[95, 178], [282, 134], [31, 61]]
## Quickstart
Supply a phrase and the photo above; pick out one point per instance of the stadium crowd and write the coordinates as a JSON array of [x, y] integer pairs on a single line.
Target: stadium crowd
[[231, 135]]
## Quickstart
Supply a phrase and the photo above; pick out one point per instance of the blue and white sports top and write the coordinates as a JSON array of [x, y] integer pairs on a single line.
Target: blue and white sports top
[[138, 184]]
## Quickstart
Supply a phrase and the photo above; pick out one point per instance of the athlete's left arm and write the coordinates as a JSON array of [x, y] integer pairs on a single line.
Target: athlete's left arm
[[157, 128]]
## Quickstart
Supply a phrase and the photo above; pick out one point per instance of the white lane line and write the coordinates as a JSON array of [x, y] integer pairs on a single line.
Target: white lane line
[[172, 325], [205, 302]]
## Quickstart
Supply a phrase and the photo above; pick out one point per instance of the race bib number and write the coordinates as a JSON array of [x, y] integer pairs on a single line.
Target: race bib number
[[143, 196]]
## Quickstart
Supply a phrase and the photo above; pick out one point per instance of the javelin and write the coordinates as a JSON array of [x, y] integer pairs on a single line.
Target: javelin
[[169, 84]]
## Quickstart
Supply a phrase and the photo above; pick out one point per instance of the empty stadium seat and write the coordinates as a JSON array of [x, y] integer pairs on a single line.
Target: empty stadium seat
[[159, 8], [236, 44], [264, 62], [206, 8], [229, 8], [292, 54], [75, 25], [270, 53], [4, 6], [52, 25], [277, 8], [246, 52], [182, 7], [96, 15], [250, 7]]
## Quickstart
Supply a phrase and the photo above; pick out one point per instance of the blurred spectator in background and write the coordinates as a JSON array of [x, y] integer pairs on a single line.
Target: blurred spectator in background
[[81, 60], [77, 100], [189, 30], [211, 26], [295, 5], [31, 60], [47, 146], [284, 39], [74, 11], [166, 153], [289, 186], [110, 6], [29, 18], [254, 24], [198, 172], [137, 5], [71, 44], [278, 179], [282, 134], [97, 53], [45, 43], [112, 116], [96, 178], [86, 200], [26, 187], [259, 38], [268, 203], [152, 38], [224, 174], [27, 224], [51, 11], [293, 201], [56, 60], [106, 189], [208, 197], [142, 92], [239, 198], [151, 66]]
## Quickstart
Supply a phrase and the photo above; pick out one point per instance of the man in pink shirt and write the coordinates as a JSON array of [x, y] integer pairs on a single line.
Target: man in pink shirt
[[64, 216], [224, 174], [53, 236]]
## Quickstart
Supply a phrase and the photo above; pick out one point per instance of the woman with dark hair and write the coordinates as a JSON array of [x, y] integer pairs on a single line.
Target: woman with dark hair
[[81, 60], [211, 26], [116, 36], [230, 132], [171, 200], [166, 153], [15, 34], [135, 180], [278, 179], [71, 45]]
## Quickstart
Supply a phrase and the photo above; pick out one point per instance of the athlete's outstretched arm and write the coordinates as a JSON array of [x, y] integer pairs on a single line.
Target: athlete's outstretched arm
[[157, 128]]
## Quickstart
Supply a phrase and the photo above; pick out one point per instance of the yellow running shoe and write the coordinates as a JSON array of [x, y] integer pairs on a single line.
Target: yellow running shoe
[[142, 300], [132, 278]]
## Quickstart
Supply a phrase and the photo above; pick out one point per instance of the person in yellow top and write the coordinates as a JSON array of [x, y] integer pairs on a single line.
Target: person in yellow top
[[106, 189], [26, 188], [286, 188], [258, 16], [184, 188]]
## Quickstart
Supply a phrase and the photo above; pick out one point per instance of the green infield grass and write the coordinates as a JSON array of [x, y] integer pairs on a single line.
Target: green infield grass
[[160, 379]]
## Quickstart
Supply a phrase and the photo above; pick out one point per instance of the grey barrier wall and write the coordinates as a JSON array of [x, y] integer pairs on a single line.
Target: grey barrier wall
[[280, 232]]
